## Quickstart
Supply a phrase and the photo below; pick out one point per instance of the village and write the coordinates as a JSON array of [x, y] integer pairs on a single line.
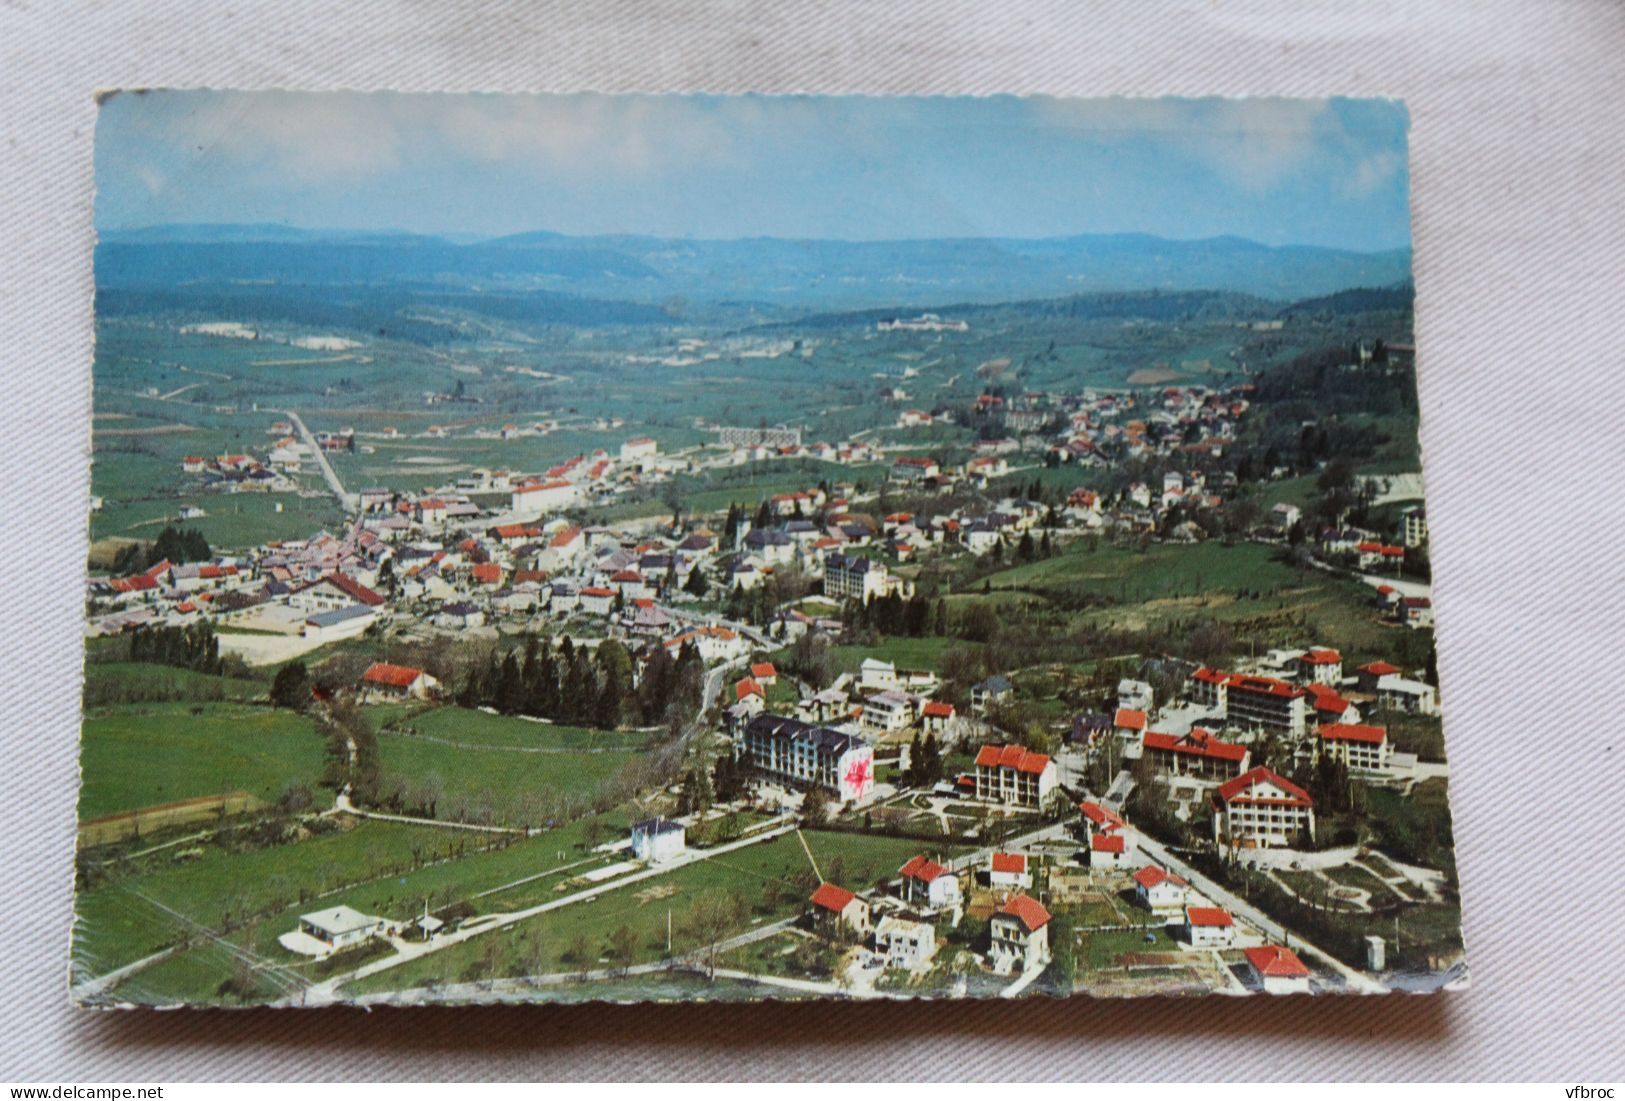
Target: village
[[1195, 834]]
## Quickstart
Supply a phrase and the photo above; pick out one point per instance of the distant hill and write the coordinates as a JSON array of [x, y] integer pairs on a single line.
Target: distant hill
[[1357, 300], [1160, 306], [794, 274]]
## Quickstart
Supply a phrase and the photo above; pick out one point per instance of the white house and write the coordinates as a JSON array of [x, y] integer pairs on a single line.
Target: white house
[[638, 449], [1278, 970], [1159, 890], [888, 712], [905, 944], [340, 927], [1108, 850], [1009, 870], [877, 675], [1014, 775], [1360, 747], [985, 694], [1019, 936], [596, 600], [1134, 694], [657, 839], [926, 883], [535, 498], [1208, 927]]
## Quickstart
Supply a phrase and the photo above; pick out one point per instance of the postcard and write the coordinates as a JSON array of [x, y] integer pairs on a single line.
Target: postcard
[[687, 548]]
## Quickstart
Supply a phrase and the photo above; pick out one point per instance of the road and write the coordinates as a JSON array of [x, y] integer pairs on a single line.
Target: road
[[347, 501], [1268, 925]]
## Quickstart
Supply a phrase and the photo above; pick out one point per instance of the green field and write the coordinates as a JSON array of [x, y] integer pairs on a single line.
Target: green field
[[123, 920], [476, 728], [905, 653], [760, 873], [497, 784], [1105, 949], [137, 755]]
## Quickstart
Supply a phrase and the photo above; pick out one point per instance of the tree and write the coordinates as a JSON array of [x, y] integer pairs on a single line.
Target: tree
[[291, 687], [815, 805], [623, 947], [696, 585]]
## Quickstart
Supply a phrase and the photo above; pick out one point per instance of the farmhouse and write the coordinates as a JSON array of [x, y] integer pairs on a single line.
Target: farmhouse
[[383, 680]]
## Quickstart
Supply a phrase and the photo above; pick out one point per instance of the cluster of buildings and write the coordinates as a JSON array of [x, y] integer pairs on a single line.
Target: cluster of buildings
[[245, 473]]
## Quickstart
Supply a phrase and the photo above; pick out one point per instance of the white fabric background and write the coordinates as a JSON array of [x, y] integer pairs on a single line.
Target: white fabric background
[[1518, 154]]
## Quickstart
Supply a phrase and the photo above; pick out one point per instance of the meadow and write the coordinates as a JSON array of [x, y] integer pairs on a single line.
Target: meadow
[[136, 755], [767, 876]]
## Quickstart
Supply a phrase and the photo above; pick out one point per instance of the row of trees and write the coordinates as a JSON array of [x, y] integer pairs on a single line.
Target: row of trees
[[175, 545], [572, 684], [193, 647]]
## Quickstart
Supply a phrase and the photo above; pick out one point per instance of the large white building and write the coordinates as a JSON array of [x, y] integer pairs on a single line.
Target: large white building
[[1014, 775], [802, 755], [1262, 809], [850, 577], [535, 498], [1360, 747], [1266, 703]]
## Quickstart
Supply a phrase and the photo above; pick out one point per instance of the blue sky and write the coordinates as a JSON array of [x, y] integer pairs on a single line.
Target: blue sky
[[1319, 172]]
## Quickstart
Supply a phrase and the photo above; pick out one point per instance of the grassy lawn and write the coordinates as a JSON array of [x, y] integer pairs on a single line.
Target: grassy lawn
[[136, 755], [495, 783], [905, 653], [481, 728], [122, 920], [1161, 572], [1352, 875], [760, 874], [1102, 951]]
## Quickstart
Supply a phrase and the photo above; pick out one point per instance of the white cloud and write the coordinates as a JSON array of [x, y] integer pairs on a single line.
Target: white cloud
[[1254, 143], [1372, 173]]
